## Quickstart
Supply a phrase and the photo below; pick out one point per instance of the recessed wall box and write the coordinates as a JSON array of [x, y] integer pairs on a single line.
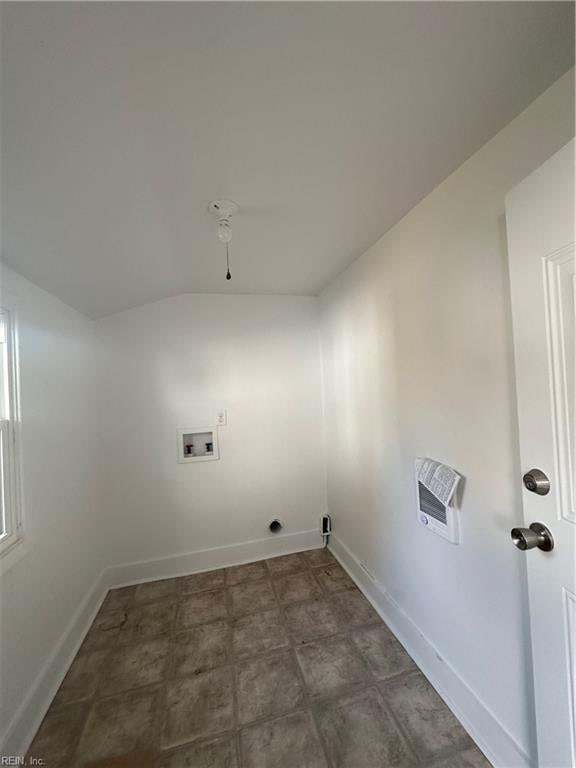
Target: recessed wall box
[[197, 444]]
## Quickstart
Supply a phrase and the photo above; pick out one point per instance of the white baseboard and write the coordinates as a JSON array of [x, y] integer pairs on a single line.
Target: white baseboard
[[18, 735], [217, 557], [491, 737]]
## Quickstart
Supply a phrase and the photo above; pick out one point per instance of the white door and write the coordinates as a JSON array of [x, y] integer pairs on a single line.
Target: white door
[[540, 224]]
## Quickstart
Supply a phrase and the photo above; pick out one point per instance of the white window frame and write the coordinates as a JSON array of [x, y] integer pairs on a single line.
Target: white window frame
[[11, 524]]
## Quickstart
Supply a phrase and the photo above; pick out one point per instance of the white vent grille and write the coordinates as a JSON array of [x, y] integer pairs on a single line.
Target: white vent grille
[[430, 505]]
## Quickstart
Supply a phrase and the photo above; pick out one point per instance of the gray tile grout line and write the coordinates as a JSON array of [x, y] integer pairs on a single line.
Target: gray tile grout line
[[159, 688], [93, 699], [309, 703], [310, 708], [230, 654], [179, 595], [237, 745], [232, 660], [162, 696], [388, 709], [314, 703]]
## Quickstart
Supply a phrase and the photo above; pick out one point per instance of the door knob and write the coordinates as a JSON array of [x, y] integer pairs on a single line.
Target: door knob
[[535, 536], [536, 481]]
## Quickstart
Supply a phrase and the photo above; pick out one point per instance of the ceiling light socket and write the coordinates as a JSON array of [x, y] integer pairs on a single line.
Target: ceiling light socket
[[223, 209]]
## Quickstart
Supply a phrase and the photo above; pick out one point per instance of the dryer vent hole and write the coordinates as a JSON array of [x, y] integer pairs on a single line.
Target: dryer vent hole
[[275, 526]]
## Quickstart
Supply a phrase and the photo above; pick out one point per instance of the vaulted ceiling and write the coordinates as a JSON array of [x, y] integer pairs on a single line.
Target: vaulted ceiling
[[326, 122]]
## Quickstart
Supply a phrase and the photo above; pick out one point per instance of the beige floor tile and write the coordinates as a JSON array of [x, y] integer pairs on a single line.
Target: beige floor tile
[[118, 598], [214, 753], [311, 619], [333, 578], [252, 597], [331, 666], [382, 652], [359, 733], [145, 622], [58, 735], [430, 725], [198, 706], [201, 608], [239, 574], [288, 742], [134, 666], [181, 663], [297, 587], [317, 557], [280, 566], [82, 678], [200, 648], [267, 686], [470, 758], [200, 582], [105, 630], [353, 609], [119, 725], [152, 591], [258, 633]]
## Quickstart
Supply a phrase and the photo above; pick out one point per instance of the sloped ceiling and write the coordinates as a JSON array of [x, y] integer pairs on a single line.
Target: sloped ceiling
[[326, 122]]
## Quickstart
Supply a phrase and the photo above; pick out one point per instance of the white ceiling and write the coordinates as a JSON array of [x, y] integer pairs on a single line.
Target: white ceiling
[[326, 122]]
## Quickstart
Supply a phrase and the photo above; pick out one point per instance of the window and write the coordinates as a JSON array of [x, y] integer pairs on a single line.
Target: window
[[10, 501]]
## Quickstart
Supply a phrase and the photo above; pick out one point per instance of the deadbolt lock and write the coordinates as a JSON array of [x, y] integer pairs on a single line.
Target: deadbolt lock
[[537, 482]]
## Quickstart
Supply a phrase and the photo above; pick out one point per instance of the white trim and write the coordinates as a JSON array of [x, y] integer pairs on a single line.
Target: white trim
[[552, 266], [217, 557], [569, 601], [12, 466], [492, 738], [20, 731], [18, 735]]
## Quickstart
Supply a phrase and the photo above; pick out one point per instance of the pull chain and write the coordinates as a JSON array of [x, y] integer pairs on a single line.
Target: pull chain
[[228, 275]]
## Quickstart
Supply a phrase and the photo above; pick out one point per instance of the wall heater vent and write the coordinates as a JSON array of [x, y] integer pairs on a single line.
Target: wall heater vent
[[439, 518]]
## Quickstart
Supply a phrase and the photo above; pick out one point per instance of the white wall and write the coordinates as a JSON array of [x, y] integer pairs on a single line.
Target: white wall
[[390, 394], [171, 364], [418, 362], [102, 487], [46, 579]]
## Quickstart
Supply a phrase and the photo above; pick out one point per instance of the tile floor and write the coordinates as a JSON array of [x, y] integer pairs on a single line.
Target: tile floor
[[276, 664]]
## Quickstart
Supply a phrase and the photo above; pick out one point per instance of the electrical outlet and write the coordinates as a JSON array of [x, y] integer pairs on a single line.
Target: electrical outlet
[[221, 417]]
